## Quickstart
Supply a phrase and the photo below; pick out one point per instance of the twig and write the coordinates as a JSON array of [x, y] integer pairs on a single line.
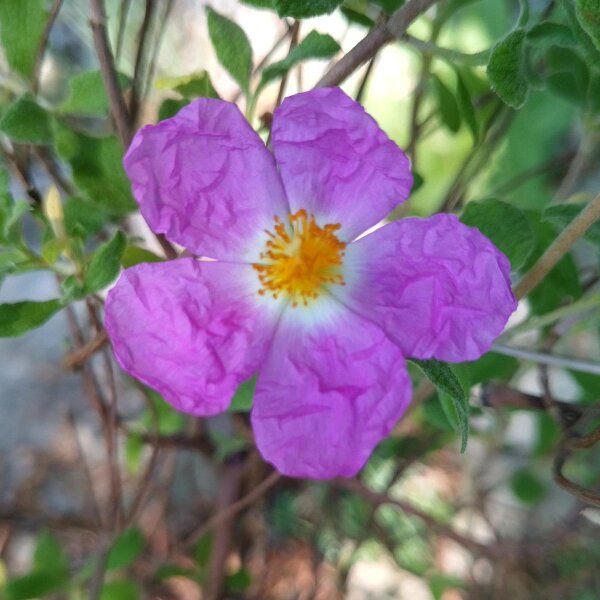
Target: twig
[[76, 358], [293, 42], [553, 360], [233, 509], [123, 14], [558, 248], [229, 488], [378, 37], [43, 44], [365, 79], [118, 108], [138, 75]]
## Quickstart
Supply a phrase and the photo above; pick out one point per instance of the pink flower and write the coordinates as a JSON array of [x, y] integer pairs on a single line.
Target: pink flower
[[325, 321]]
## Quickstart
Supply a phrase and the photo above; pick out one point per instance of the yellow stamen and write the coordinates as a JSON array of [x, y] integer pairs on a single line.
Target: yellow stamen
[[300, 260]]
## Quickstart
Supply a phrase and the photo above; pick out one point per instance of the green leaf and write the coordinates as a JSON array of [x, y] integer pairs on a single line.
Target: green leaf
[[232, 47], [25, 121], [170, 107], [548, 34], [588, 15], [242, 399], [561, 215], [21, 25], [35, 585], [506, 69], [491, 366], [120, 590], [87, 95], [353, 16], [198, 85], [466, 107], [447, 105], [126, 549], [527, 487], [12, 221], [568, 75], [19, 317], [452, 396], [302, 9], [389, 6], [134, 255], [203, 550], [314, 45], [97, 165], [105, 264], [238, 581], [506, 225], [81, 217], [49, 555], [259, 3]]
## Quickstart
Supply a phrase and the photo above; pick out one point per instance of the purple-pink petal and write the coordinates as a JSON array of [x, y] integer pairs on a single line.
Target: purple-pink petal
[[438, 288], [336, 162], [190, 330], [327, 394], [205, 179]]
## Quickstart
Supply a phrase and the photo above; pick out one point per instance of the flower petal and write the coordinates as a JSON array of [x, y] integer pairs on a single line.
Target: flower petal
[[191, 330], [336, 162], [438, 288], [327, 394], [206, 180]]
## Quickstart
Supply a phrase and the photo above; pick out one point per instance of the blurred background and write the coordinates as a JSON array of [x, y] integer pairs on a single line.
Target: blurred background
[[107, 492]]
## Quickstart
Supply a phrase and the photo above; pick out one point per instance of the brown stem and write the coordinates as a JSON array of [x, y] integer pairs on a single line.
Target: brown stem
[[561, 245], [233, 509], [378, 37], [118, 108], [138, 71]]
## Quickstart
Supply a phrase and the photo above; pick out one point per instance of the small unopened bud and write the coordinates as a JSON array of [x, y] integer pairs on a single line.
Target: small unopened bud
[[52, 207]]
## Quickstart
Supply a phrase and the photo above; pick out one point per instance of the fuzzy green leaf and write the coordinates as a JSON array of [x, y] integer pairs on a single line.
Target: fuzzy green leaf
[[506, 69], [547, 34], [21, 25], [447, 105], [506, 225], [19, 317], [452, 396], [302, 9], [232, 47], [105, 264], [87, 94], [314, 45], [27, 122], [588, 15]]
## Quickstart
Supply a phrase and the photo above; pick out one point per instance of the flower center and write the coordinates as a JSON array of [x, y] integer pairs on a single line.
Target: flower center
[[300, 259]]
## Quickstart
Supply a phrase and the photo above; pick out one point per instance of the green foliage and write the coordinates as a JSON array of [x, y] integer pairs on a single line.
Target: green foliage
[[506, 225], [259, 3], [465, 106], [302, 9], [25, 121], [447, 106], [548, 34], [560, 215], [120, 590], [198, 85], [506, 69], [97, 165], [567, 75], [49, 555], [232, 47], [126, 549], [35, 585], [19, 317], [134, 255], [242, 399], [87, 95], [21, 25], [588, 15], [105, 264], [170, 107], [527, 487], [314, 45], [453, 398]]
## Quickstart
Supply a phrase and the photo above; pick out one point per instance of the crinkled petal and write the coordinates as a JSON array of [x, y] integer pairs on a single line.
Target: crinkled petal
[[191, 330], [438, 288], [330, 390], [206, 180], [336, 162]]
